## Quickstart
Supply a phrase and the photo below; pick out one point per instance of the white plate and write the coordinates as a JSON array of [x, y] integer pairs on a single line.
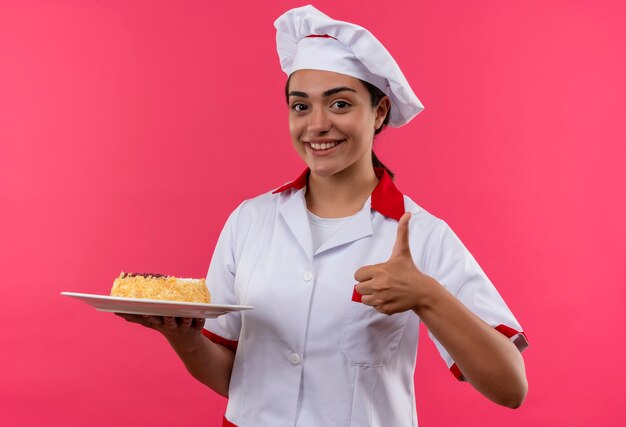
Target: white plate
[[155, 307]]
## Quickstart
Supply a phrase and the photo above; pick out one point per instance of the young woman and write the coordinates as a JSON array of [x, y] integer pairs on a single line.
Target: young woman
[[340, 266]]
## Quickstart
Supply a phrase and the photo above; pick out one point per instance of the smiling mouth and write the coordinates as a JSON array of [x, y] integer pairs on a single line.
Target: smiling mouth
[[322, 146]]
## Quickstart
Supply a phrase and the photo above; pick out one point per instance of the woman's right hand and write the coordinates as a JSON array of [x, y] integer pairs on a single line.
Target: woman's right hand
[[181, 332], [209, 363]]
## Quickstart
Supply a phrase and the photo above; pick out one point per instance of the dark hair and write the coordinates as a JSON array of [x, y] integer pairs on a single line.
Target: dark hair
[[376, 95]]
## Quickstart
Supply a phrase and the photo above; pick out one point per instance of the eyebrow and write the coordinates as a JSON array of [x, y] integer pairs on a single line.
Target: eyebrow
[[327, 93]]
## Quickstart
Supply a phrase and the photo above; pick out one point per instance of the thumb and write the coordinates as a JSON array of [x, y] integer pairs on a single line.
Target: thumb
[[401, 247]]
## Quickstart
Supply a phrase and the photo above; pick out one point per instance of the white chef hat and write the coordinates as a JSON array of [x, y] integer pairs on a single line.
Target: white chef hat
[[308, 39]]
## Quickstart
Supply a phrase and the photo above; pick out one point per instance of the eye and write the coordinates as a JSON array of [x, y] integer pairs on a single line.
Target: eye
[[340, 105], [299, 107]]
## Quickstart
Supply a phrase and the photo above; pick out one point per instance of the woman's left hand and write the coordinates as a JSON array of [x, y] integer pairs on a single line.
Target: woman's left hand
[[396, 285], [487, 359]]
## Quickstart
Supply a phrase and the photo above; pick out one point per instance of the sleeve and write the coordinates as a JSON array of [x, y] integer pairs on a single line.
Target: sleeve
[[456, 269], [220, 280]]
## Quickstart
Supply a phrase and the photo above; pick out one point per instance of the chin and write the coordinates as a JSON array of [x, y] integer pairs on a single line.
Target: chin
[[323, 171]]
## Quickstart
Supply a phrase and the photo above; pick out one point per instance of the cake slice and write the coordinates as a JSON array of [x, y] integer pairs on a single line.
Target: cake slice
[[160, 287]]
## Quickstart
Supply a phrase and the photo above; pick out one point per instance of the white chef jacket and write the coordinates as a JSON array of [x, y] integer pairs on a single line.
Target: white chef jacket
[[307, 355]]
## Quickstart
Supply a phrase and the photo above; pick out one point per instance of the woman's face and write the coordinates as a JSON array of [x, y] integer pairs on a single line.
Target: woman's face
[[332, 121]]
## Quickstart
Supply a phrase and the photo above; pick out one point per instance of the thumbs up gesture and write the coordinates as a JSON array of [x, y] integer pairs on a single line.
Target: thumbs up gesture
[[396, 285]]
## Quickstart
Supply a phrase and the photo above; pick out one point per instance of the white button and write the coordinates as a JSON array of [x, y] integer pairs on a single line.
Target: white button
[[294, 358], [308, 276]]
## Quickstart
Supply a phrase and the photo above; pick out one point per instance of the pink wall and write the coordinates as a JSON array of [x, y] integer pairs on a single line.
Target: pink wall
[[130, 129]]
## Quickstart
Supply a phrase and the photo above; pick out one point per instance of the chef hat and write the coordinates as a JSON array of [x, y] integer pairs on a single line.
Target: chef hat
[[308, 39]]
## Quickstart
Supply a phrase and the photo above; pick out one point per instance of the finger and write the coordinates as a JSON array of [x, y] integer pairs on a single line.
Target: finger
[[401, 247], [361, 289], [356, 295], [369, 287], [371, 300], [169, 322], [384, 309], [365, 273], [152, 321], [135, 318], [364, 288], [185, 322], [198, 323]]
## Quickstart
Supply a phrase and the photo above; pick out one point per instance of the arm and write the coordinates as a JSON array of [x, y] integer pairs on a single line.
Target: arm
[[488, 359], [208, 362]]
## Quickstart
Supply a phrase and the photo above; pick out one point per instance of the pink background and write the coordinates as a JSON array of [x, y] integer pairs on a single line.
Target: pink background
[[130, 129]]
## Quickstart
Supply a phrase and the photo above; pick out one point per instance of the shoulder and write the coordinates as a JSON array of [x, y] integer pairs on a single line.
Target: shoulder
[[421, 218], [263, 202], [438, 249], [429, 231], [251, 217], [262, 207]]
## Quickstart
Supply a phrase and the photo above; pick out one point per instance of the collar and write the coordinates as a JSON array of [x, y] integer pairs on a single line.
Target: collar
[[386, 198]]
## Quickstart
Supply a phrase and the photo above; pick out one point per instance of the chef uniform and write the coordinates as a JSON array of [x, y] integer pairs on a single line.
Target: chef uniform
[[310, 354]]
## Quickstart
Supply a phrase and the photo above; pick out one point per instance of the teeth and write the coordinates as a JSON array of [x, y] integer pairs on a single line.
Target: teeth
[[323, 145]]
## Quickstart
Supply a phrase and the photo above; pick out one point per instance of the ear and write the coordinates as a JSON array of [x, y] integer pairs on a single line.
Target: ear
[[381, 111]]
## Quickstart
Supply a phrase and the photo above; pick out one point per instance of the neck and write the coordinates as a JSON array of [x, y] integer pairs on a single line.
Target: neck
[[341, 194]]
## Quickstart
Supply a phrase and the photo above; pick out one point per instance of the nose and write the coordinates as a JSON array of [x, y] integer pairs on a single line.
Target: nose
[[319, 122]]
